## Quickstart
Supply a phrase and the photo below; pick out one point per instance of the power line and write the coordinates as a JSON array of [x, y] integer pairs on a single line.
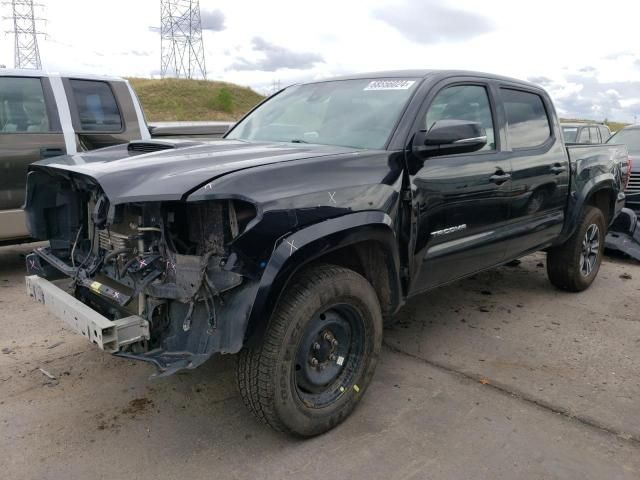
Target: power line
[[182, 52], [26, 51]]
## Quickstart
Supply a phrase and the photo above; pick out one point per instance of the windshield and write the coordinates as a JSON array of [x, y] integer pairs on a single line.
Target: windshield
[[349, 113], [570, 134], [629, 137]]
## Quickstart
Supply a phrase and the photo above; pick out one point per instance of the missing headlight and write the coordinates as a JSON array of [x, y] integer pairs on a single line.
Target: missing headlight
[[206, 227]]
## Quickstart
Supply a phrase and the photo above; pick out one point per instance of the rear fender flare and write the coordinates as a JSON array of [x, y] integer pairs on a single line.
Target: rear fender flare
[[299, 249], [580, 198]]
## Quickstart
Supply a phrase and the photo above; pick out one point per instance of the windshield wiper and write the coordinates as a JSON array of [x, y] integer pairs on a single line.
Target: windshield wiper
[[297, 140]]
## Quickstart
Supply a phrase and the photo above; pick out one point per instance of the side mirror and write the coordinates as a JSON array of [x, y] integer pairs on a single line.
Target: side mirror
[[448, 137]]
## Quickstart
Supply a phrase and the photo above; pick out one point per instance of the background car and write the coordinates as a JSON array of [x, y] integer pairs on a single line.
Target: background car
[[589, 133], [630, 136]]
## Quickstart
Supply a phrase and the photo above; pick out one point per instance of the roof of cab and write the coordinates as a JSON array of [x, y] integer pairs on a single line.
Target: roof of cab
[[11, 72], [424, 73], [581, 124]]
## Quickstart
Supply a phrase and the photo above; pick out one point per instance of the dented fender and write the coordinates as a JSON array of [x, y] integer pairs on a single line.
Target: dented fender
[[301, 248]]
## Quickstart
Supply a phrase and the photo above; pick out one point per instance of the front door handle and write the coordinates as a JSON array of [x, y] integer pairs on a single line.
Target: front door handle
[[499, 177], [50, 152], [557, 169]]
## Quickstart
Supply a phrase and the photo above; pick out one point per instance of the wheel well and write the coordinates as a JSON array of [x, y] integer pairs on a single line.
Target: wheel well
[[371, 260], [604, 200]]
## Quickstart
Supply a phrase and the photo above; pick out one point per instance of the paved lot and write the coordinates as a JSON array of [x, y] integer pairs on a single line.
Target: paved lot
[[498, 376]]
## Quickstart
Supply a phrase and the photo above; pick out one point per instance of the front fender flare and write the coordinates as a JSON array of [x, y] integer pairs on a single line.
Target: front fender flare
[[308, 244]]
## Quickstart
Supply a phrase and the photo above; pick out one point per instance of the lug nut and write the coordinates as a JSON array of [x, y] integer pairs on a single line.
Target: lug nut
[[334, 342], [314, 362], [332, 357], [327, 336], [316, 346]]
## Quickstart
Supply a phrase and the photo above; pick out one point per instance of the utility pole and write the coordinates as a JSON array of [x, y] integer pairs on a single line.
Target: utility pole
[[26, 53], [182, 52]]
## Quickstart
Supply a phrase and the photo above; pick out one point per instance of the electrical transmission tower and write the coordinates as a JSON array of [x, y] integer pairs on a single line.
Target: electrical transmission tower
[[27, 54], [182, 53]]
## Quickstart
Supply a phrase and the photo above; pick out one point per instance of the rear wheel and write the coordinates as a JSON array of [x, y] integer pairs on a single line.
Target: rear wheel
[[318, 355], [574, 265]]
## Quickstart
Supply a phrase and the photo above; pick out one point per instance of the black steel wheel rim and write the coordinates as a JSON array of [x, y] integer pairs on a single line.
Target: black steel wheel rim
[[329, 356]]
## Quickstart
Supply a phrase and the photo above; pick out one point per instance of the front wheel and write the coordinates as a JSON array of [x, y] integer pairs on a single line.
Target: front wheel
[[318, 355], [574, 265]]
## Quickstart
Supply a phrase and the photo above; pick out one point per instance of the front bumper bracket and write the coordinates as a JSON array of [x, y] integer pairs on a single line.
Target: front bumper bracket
[[109, 335]]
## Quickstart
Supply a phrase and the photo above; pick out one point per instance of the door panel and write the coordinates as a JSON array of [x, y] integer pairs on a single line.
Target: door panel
[[461, 202], [17, 152], [28, 126], [461, 217], [540, 167]]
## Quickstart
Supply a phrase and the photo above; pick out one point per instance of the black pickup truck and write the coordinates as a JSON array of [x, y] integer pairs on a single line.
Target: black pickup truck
[[317, 216]]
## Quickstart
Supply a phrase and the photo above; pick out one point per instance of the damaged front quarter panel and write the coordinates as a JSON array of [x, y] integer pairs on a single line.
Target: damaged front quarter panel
[[195, 265], [196, 308], [170, 263]]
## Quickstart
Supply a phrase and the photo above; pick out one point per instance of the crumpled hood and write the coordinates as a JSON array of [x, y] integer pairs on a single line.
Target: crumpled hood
[[171, 174]]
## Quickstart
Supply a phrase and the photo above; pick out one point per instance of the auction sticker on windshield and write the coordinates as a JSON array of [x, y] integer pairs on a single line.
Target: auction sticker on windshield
[[390, 85]]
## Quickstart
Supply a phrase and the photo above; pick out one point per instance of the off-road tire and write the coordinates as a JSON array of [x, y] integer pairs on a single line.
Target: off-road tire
[[266, 372], [564, 261]]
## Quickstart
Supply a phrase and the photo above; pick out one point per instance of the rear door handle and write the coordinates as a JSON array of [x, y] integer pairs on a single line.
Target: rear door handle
[[500, 177], [51, 152], [558, 169]]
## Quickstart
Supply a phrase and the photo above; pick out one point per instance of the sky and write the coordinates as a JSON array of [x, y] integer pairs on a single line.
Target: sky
[[585, 53]]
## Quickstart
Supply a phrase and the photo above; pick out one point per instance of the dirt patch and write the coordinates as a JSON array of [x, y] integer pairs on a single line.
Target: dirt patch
[[137, 406]]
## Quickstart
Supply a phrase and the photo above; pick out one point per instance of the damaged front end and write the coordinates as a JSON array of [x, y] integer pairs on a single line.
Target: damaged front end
[[162, 276]]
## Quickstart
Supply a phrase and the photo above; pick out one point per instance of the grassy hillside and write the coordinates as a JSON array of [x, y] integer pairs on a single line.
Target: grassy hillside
[[171, 99], [613, 126]]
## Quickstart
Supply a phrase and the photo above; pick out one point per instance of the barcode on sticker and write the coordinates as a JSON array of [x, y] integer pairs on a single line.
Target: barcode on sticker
[[340, 360], [390, 85]]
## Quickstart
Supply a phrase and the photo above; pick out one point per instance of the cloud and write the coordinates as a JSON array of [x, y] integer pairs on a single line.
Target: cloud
[[588, 71], [541, 80], [276, 57], [212, 20], [136, 53], [582, 95], [619, 54], [427, 22]]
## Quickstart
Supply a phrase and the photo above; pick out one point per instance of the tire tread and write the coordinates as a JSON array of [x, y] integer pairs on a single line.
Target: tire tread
[[256, 365]]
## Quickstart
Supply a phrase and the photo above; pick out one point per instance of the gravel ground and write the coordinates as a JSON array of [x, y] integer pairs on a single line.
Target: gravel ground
[[496, 376]]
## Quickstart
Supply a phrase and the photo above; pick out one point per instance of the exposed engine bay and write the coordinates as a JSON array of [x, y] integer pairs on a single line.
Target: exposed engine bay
[[167, 262]]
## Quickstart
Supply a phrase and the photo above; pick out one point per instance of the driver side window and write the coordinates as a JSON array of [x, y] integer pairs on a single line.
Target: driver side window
[[463, 102]]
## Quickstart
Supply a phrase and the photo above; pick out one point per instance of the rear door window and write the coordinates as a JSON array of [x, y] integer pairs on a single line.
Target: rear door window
[[22, 106], [528, 123], [96, 106], [584, 135], [570, 134], [595, 135]]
